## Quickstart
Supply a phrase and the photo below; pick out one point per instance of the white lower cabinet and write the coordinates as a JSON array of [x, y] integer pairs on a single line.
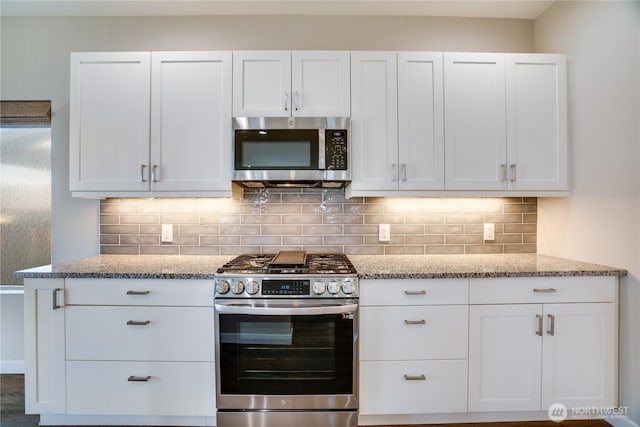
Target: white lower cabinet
[[413, 387], [140, 388], [535, 349], [413, 346]]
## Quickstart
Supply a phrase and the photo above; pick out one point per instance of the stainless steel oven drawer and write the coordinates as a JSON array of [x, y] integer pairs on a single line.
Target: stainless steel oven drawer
[[287, 419]]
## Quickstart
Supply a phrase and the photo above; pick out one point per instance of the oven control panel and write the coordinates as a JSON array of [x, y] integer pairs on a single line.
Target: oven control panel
[[298, 287]]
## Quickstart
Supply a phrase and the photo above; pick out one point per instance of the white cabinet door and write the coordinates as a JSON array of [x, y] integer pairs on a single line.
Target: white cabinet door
[[475, 123], [320, 83], [191, 121], [374, 121], [579, 356], [536, 88], [420, 121], [505, 348], [109, 121], [44, 343], [262, 84]]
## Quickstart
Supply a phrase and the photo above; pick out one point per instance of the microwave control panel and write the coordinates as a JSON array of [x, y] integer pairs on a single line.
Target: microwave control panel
[[335, 143]]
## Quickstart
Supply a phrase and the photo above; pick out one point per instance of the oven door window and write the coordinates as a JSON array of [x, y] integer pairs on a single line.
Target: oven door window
[[310, 354], [276, 149]]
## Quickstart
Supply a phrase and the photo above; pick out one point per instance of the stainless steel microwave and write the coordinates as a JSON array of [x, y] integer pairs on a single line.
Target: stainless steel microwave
[[291, 152]]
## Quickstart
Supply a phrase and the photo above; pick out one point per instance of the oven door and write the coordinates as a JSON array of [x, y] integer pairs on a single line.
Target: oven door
[[286, 354]]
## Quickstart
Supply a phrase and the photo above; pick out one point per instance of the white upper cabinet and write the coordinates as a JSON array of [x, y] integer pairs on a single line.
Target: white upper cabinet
[[506, 122], [475, 125], [374, 121], [109, 121], [150, 123], [536, 90], [420, 121], [298, 83], [191, 121]]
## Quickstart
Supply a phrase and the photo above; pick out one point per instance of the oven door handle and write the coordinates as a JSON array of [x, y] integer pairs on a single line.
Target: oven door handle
[[286, 311]]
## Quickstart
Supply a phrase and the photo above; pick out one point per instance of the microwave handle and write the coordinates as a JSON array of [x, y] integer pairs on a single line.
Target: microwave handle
[[285, 311]]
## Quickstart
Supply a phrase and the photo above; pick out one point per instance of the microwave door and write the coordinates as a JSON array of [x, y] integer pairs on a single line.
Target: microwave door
[[273, 149]]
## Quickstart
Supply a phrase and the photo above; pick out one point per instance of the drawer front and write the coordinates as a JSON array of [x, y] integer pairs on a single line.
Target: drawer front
[[104, 388], [413, 291], [413, 333], [139, 333], [139, 292], [398, 387], [543, 290]]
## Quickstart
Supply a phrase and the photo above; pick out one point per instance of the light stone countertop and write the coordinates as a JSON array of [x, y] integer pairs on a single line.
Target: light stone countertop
[[460, 266], [368, 267]]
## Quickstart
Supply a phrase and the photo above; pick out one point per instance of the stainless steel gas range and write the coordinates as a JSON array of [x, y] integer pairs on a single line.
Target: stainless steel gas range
[[286, 335]]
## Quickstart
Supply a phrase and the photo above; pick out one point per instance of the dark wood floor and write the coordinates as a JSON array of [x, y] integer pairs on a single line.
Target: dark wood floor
[[12, 411]]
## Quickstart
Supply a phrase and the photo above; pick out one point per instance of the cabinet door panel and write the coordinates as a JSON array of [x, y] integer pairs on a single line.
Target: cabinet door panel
[[384, 389], [420, 121], [320, 83], [413, 332], [374, 121], [262, 84], [109, 121], [504, 358], [103, 388], [139, 333], [537, 121], [191, 121], [475, 123], [579, 359]]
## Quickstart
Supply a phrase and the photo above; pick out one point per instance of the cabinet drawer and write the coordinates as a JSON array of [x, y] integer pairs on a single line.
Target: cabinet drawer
[[384, 389], [139, 292], [543, 290], [104, 388], [412, 333], [172, 333], [413, 291]]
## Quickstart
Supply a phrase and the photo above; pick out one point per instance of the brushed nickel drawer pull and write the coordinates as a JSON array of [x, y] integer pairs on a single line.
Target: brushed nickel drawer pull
[[138, 323], [55, 299], [139, 379], [545, 291], [552, 324], [415, 322], [539, 330], [422, 292], [415, 377], [138, 292]]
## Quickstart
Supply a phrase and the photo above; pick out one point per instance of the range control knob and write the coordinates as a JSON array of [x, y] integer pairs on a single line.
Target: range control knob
[[347, 287], [252, 287], [222, 287], [319, 287], [334, 287], [237, 287]]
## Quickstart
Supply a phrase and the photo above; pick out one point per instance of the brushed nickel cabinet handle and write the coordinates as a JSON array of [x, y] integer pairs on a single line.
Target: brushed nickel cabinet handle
[[153, 173], [422, 292], [503, 170], [142, 173], [552, 324], [514, 177], [138, 323], [286, 101], [403, 171], [421, 377], [138, 292], [135, 378], [539, 330], [415, 322], [296, 100], [55, 304], [394, 172], [545, 291]]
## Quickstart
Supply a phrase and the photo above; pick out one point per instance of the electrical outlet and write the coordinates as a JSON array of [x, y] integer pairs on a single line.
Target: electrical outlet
[[489, 231], [167, 233], [384, 233]]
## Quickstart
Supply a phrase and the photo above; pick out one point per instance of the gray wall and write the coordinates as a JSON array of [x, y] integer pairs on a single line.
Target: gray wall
[[600, 222]]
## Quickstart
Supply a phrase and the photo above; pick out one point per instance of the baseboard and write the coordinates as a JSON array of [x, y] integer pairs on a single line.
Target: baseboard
[[621, 422], [11, 366]]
